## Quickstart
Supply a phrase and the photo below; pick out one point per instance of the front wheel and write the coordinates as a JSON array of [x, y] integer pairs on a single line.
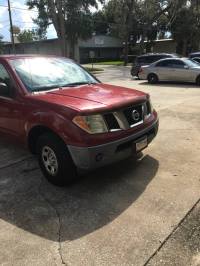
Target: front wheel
[[152, 78], [55, 160]]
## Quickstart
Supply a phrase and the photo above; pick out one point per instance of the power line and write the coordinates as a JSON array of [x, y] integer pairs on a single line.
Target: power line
[[20, 8], [11, 27], [31, 10]]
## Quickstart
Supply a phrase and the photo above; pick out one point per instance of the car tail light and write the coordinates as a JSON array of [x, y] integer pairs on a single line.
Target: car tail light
[[140, 70]]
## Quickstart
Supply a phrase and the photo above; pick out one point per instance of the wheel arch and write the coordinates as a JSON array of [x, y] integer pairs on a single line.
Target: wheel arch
[[35, 132], [152, 73], [197, 78]]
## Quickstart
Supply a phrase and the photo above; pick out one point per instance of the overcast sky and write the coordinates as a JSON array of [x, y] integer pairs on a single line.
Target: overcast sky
[[21, 18]]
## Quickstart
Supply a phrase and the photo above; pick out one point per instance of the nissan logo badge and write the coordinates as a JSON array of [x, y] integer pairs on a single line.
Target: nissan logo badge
[[135, 115]]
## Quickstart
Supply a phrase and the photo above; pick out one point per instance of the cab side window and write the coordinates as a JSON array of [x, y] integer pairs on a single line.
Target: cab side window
[[4, 80]]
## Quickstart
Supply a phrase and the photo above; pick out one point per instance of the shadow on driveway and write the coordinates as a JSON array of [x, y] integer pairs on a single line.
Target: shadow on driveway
[[30, 203]]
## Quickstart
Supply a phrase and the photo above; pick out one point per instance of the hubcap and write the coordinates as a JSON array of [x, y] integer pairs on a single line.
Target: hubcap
[[50, 160]]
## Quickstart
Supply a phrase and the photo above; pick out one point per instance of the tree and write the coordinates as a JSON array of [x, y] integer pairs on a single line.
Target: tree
[[29, 35], [136, 20], [121, 12], [71, 19], [100, 22], [185, 27]]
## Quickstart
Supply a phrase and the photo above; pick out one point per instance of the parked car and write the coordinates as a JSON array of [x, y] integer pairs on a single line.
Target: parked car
[[148, 59], [172, 69], [196, 54], [70, 119], [196, 59]]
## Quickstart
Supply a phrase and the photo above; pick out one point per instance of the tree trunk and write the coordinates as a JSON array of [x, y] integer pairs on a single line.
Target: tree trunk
[[142, 45], [126, 52], [180, 47], [185, 47], [63, 46], [72, 48], [62, 29], [57, 15]]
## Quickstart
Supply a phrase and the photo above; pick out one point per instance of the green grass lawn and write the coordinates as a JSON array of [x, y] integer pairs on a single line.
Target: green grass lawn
[[94, 69], [112, 63]]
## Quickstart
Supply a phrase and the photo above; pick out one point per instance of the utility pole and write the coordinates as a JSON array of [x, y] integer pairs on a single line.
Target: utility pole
[[11, 27]]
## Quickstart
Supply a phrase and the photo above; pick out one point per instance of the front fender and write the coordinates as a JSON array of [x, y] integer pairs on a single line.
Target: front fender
[[57, 123]]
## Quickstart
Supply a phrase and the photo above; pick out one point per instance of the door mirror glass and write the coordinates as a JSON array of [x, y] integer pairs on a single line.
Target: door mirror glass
[[4, 90]]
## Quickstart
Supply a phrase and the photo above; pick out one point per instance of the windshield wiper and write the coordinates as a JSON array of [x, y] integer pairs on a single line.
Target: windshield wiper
[[74, 84], [47, 88]]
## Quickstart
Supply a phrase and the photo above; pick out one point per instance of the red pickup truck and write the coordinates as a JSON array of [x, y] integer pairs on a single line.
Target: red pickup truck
[[70, 119]]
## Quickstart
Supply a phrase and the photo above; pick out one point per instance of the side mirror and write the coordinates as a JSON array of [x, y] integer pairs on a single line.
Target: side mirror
[[4, 90], [186, 67]]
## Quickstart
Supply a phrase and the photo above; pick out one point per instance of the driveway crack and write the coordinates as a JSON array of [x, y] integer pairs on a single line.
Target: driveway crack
[[16, 162], [173, 231], [59, 223]]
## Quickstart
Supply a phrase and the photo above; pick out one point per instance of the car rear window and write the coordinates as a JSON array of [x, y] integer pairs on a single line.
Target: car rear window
[[141, 60]]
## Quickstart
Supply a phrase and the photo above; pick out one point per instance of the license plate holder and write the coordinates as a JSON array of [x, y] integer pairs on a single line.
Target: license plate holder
[[141, 144]]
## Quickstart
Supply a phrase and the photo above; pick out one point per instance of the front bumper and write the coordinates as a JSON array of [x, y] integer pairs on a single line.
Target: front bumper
[[97, 156]]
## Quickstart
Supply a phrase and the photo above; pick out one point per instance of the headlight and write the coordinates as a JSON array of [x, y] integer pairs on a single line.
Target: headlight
[[92, 124]]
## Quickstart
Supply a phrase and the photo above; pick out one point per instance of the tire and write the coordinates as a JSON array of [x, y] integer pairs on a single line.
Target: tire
[[132, 74], [55, 160], [152, 78], [198, 81]]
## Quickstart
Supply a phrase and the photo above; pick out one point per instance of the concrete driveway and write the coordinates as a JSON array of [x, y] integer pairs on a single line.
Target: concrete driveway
[[126, 214]]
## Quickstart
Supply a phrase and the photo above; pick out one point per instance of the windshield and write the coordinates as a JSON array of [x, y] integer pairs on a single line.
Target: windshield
[[39, 74], [191, 63]]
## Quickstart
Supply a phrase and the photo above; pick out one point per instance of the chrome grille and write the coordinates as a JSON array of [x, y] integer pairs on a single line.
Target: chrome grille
[[128, 117]]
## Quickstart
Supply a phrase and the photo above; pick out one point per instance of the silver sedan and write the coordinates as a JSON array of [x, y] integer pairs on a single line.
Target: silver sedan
[[171, 69]]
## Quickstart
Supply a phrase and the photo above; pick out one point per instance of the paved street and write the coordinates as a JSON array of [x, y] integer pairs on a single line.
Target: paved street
[[133, 213]]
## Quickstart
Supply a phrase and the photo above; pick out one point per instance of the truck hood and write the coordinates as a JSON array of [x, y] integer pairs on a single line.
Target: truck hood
[[92, 97]]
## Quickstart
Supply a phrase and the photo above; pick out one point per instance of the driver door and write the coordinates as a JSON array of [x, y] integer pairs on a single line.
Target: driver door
[[10, 111]]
